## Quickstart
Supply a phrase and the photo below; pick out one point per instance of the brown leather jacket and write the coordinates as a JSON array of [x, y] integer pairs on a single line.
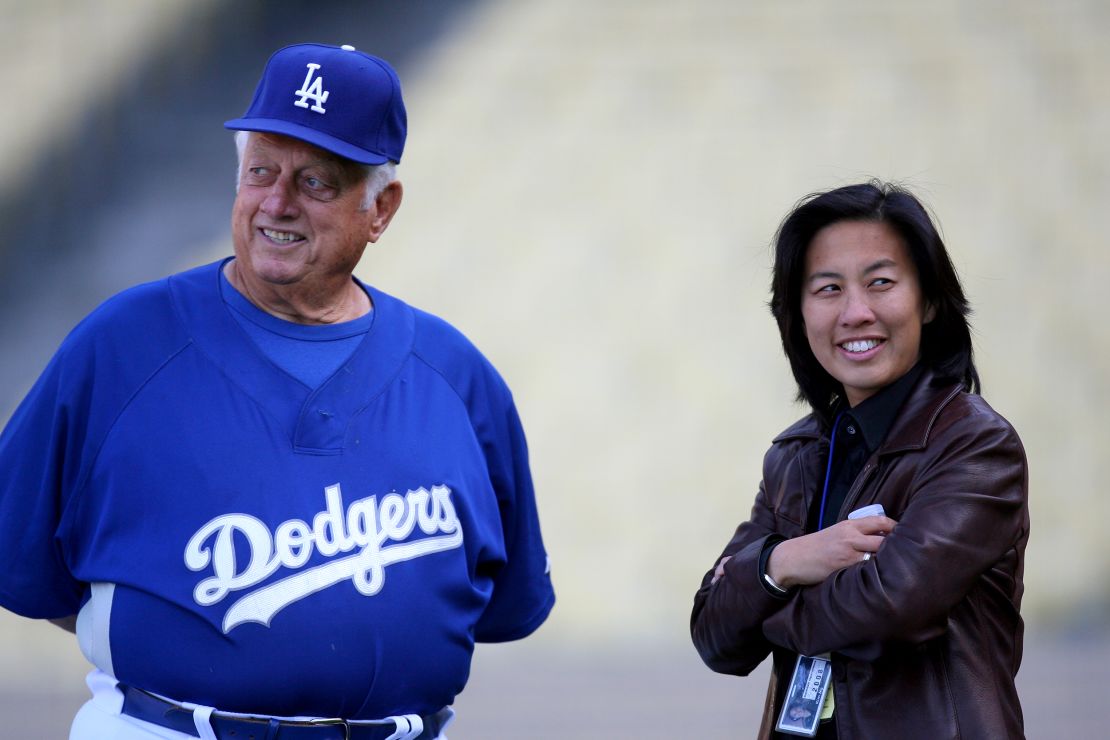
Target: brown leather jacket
[[926, 637]]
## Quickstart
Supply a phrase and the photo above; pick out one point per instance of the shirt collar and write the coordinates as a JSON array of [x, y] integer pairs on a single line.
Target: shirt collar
[[875, 415]]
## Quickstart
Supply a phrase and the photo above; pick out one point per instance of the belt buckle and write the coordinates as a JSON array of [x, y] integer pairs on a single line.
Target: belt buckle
[[333, 722]]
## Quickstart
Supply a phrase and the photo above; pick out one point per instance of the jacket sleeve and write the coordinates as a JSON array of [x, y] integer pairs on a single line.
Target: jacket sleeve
[[727, 616], [967, 510]]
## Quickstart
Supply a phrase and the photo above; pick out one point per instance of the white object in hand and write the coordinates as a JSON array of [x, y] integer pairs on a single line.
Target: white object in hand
[[872, 510]]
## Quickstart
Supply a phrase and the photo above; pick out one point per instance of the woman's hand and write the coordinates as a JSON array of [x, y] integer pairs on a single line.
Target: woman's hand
[[810, 559]]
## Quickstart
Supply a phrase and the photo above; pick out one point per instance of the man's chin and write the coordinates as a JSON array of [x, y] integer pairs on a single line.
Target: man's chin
[[274, 270]]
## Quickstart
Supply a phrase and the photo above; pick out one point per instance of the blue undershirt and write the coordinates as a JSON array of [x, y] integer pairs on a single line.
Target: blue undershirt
[[311, 353]]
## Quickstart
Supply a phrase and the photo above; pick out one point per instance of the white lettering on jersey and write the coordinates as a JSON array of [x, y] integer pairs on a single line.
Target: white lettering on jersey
[[312, 89], [367, 525]]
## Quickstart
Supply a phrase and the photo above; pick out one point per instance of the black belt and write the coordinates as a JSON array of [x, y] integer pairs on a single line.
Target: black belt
[[149, 708]]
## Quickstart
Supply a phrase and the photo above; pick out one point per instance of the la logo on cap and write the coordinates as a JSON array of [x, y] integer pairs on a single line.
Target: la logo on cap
[[312, 89], [365, 119]]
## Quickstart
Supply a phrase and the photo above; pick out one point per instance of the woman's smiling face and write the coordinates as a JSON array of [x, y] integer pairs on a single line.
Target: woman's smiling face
[[862, 306]]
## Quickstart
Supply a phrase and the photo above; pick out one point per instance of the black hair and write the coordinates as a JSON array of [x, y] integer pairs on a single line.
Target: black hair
[[945, 341]]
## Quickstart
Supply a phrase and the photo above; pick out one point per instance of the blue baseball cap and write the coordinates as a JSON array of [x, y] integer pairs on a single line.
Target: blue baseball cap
[[334, 97]]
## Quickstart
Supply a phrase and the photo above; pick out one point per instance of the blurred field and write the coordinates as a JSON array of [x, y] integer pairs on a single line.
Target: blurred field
[[543, 689], [590, 192]]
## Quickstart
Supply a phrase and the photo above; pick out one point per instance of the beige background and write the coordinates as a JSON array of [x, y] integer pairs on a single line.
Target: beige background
[[591, 188], [633, 161]]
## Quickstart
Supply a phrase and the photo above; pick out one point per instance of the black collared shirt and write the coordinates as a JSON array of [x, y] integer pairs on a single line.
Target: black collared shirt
[[858, 432]]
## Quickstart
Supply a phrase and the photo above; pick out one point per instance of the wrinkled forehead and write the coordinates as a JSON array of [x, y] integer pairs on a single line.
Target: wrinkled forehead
[[299, 154]]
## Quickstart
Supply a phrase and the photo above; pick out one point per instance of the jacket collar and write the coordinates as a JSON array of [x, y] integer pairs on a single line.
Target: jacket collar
[[912, 425]]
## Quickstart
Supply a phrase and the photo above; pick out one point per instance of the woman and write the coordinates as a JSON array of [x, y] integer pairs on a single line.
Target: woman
[[911, 618]]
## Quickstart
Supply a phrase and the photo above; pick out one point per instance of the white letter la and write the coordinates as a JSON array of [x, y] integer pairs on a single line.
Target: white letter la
[[315, 90]]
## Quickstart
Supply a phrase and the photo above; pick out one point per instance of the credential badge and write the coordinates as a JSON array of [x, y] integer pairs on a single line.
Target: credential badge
[[312, 89]]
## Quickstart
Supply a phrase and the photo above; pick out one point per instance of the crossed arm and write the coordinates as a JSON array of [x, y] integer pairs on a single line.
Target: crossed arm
[[962, 513], [811, 558]]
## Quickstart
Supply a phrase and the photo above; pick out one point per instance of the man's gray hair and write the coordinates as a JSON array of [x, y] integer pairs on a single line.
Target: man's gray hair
[[377, 175]]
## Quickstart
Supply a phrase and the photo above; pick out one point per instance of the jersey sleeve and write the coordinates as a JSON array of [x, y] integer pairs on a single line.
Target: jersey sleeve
[[50, 443], [40, 451], [522, 595]]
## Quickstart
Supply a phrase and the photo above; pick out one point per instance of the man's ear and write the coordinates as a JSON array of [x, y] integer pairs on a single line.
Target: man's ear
[[386, 206]]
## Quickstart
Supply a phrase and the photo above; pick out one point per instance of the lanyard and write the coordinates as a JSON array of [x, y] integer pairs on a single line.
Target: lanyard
[[828, 472]]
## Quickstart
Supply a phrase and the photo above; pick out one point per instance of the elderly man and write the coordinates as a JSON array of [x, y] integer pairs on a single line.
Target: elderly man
[[273, 501]]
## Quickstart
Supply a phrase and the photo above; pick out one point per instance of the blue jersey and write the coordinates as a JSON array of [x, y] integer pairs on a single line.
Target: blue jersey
[[237, 540]]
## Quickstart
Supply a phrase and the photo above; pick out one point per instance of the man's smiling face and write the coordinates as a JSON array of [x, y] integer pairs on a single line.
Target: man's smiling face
[[298, 215]]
